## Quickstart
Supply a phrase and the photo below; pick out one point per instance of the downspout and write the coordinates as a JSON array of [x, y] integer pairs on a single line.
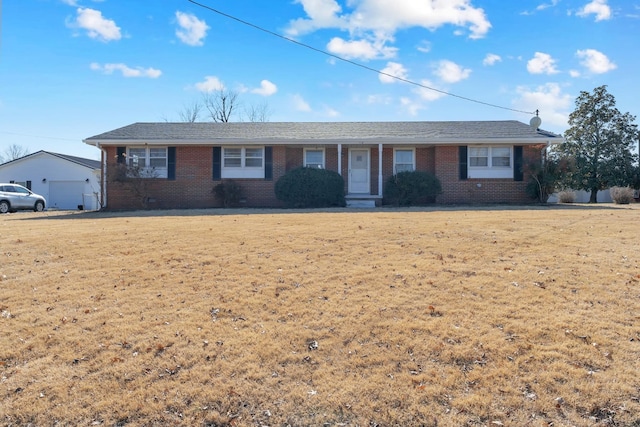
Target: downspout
[[103, 201], [380, 170]]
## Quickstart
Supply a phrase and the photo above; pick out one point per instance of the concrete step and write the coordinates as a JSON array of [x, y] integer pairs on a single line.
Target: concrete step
[[361, 203]]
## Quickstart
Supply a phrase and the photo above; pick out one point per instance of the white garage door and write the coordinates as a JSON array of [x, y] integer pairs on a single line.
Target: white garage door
[[65, 194]]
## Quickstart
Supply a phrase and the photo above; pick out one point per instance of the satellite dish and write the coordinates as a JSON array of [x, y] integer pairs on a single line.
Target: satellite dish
[[535, 122]]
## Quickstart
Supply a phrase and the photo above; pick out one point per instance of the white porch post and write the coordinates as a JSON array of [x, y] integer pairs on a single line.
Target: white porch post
[[340, 159], [380, 169]]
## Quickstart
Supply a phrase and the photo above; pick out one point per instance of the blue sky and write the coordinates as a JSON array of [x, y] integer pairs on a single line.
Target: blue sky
[[71, 69]]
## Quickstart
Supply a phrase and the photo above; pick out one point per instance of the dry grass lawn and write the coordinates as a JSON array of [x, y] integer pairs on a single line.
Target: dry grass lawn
[[448, 317]]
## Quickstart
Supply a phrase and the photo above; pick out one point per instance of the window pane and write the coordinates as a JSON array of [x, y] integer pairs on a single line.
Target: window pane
[[478, 152], [253, 163], [253, 157], [479, 156], [232, 162], [313, 157], [404, 168], [158, 163], [501, 156], [232, 152], [404, 156], [158, 152], [254, 152], [232, 157]]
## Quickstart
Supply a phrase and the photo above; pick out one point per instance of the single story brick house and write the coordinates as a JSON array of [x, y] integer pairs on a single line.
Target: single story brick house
[[475, 161]]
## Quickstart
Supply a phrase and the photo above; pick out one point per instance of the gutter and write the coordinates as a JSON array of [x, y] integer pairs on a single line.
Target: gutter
[[333, 141]]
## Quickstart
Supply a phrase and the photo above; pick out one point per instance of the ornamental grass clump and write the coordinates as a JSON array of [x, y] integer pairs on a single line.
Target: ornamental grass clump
[[566, 197], [621, 195], [311, 188]]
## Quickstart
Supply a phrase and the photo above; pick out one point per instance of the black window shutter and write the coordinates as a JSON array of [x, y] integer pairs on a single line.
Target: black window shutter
[[518, 174], [217, 163], [268, 163], [121, 154], [462, 161], [171, 163]]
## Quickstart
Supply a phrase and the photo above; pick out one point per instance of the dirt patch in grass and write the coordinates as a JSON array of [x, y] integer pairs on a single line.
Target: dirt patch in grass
[[492, 316]]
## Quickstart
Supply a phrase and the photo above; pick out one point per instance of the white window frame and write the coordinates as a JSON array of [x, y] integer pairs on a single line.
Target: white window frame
[[490, 171], [243, 170], [314, 165], [396, 163], [148, 171]]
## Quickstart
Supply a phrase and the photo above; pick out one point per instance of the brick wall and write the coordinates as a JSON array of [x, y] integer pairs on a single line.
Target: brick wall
[[455, 190], [193, 184]]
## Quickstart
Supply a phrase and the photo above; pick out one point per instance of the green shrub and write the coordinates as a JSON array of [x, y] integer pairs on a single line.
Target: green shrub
[[544, 177], [621, 195], [311, 188], [229, 193], [412, 188]]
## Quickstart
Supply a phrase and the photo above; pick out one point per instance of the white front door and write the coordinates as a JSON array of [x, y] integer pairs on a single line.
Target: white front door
[[359, 171]]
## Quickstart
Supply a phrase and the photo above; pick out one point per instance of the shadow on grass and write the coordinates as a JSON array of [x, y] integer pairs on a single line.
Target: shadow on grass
[[66, 215]]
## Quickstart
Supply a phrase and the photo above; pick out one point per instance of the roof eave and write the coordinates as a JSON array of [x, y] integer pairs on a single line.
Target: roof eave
[[351, 141]]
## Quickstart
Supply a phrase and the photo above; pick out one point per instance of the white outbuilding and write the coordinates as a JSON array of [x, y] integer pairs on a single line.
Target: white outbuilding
[[66, 182]]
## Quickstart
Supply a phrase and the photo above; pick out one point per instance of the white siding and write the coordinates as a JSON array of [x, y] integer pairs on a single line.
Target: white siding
[[46, 173]]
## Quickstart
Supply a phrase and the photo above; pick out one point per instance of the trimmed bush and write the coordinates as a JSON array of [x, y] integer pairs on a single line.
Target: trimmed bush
[[412, 188], [311, 188], [621, 195], [566, 197], [228, 193]]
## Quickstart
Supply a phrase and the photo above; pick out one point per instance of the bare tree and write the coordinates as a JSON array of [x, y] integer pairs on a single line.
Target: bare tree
[[190, 112], [221, 104], [12, 152], [258, 112]]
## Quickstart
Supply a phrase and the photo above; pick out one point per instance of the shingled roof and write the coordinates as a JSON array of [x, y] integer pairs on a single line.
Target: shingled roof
[[288, 132], [92, 164]]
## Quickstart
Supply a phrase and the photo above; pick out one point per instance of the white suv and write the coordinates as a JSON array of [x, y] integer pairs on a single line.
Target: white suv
[[14, 197]]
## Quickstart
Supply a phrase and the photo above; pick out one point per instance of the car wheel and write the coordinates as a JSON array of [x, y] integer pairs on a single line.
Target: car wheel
[[4, 206], [39, 207]]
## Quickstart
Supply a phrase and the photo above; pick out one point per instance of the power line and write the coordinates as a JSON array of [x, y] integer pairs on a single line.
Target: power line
[[38, 136], [357, 64]]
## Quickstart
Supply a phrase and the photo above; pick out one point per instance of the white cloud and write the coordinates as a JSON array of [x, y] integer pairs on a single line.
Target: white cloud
[[451, 72], [70, 2], [96, 25], [428, 94], [192, 30], [210, 84], [544, 6], [491, 59], [599, 8], [126, 71], [322, 14], [594, 61], [393, 69], [361, 49], [300, 104], [383, 18], [553, 104], [542, 63], [330, 112], [410, 106], [574, 73], [424, 47], [266, 88]]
